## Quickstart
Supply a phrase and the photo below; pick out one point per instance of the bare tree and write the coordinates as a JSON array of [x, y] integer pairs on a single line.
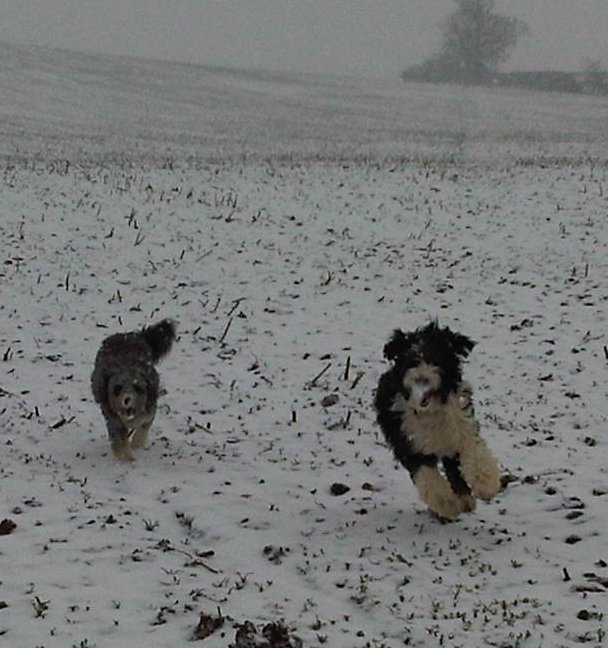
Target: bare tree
[[476, 40]]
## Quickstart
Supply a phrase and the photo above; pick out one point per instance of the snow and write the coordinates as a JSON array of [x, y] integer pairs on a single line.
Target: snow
[[287, 257]]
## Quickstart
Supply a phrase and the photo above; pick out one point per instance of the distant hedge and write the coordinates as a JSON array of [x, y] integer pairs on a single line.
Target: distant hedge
[[547, 80]]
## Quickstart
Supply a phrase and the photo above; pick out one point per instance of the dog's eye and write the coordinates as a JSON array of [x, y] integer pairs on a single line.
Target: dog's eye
[[138, 388], [117, 389]]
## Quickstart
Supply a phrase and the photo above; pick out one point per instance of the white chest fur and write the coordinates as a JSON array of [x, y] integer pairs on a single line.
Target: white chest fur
[[442, 429]]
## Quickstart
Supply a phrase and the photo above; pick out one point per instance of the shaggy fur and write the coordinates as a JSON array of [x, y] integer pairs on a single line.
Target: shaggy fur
[[125, 383], [425, 410]]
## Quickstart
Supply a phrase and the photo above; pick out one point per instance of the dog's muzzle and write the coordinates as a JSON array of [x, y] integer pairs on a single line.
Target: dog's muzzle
[[421, 396], [127, 411]]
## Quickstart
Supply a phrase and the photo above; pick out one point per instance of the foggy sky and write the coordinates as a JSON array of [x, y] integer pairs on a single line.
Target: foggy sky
[[349, 37]]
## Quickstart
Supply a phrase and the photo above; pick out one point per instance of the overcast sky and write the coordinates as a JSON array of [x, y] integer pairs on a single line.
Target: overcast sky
[[352, 37]]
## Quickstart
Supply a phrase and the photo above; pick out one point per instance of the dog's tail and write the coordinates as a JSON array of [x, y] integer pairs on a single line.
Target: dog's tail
[[160, 338]]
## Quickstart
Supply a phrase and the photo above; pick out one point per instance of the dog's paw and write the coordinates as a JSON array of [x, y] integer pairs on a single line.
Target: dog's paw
[[139, 441], [436, 492], [467, 503], [481, 471], [126, 456], [449, 509], [486, 485], [445, 508], [122, 452]]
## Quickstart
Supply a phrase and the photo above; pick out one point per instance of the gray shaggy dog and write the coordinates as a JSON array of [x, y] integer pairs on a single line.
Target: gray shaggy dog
[[125, 383]]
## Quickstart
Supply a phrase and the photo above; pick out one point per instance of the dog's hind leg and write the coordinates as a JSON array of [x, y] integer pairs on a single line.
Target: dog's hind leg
[[436, 492]]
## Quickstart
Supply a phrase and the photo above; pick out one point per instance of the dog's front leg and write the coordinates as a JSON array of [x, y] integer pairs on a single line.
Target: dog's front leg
[[140, 436], [451, 465], [119, 440], [436, 492], [480, 469]]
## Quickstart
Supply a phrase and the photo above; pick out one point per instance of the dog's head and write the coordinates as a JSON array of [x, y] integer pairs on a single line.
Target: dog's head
[[428, 361], [129, 395]]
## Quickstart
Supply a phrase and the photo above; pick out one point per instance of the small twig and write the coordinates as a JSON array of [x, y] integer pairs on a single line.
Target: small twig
[[358, 377], [313, 382], [226, 329], [217, 304], [606, 351], [341, 424], [61, 422], [204, 254], [346, 420], [131, 220], [347, 369], [235, 305], [196, 561]]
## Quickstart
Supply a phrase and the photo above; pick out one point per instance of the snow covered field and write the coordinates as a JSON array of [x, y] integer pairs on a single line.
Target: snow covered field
[[288, 249]]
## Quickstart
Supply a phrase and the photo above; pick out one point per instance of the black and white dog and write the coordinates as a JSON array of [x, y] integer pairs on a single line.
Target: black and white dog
[[125, 383], [425, 411]]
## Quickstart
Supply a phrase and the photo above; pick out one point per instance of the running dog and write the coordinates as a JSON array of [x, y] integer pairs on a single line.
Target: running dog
[[125, 383], [425, 410]]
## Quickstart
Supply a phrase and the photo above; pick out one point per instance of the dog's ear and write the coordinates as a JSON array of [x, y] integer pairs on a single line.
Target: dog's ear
[[461, 344], [399, 343]]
